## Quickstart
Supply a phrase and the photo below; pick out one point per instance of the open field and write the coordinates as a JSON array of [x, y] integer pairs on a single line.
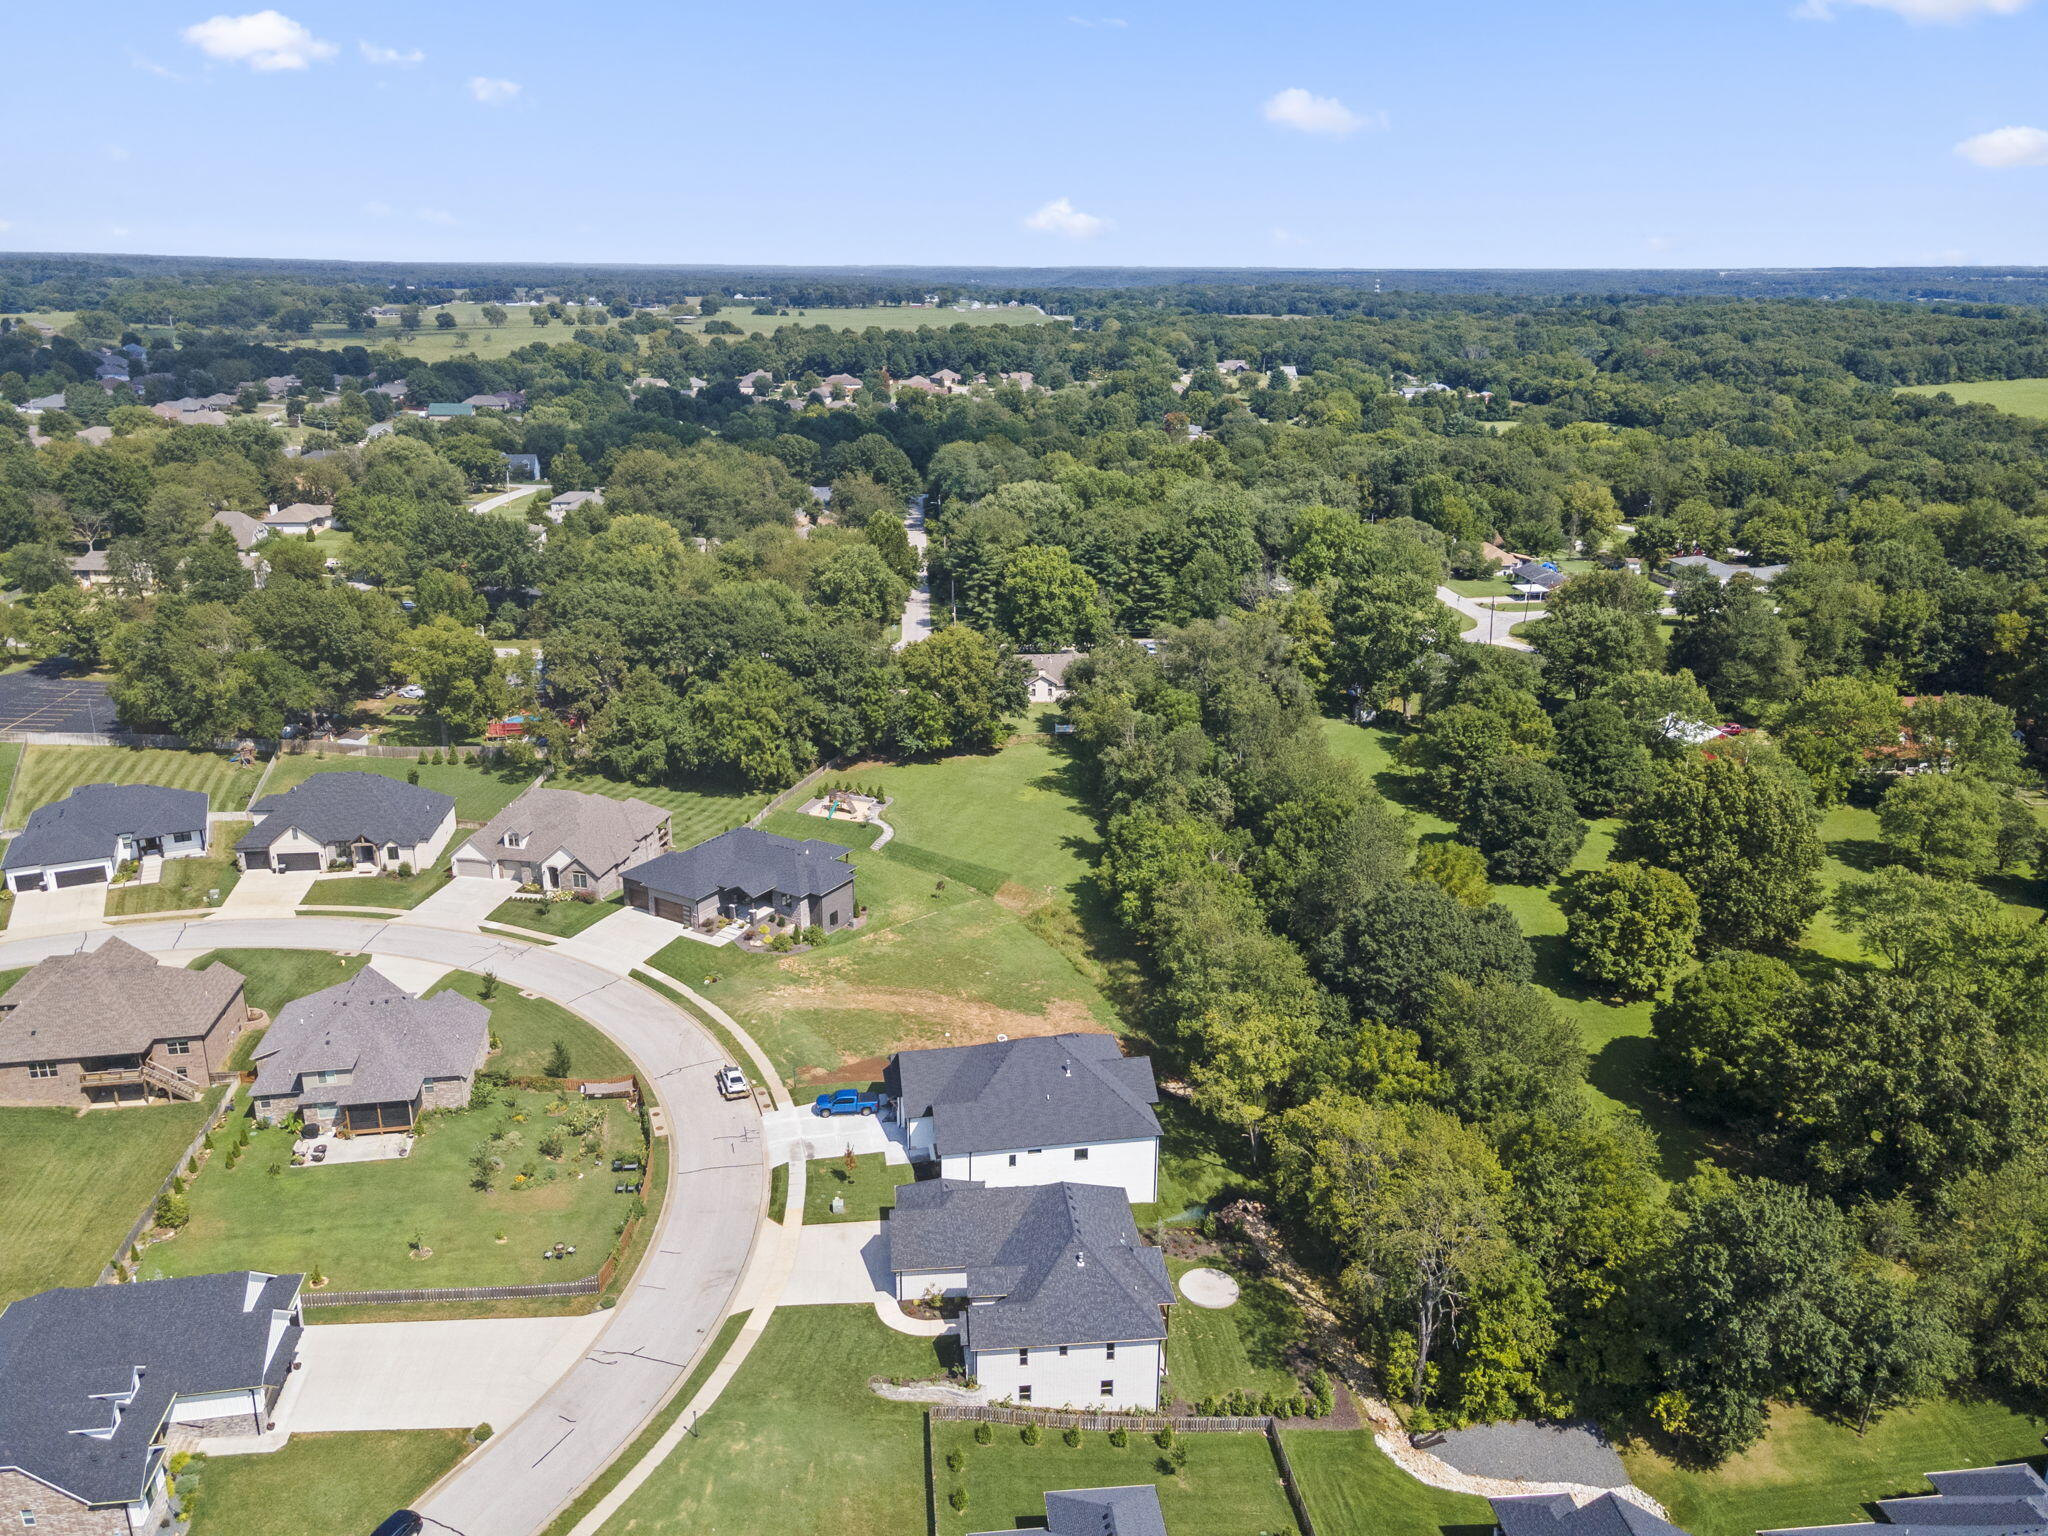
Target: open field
[[888, 317], [185, 883], [1808, 1471], [74, 1183], [480, 793], [695, 812], [1352, 1489], [431, 344], [871, 1185], [2022, 397], [318, 1482], [50, 773], [357, 1222], [1230, 1486], [528, 1027], [797, 1432]]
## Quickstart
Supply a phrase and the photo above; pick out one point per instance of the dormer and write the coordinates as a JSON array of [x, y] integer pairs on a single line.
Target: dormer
[[515, 839]]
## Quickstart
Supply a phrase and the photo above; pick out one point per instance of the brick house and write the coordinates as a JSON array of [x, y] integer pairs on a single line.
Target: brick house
[[561, 840], [369, 1056], [111, 1026], [94, 1381]]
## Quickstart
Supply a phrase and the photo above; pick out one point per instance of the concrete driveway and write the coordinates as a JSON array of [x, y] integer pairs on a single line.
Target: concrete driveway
[[463, 902], [78, 906], [262, 893], [452, 1375], [788, 1130], [839, 1262], [413, 975], [621, 941]]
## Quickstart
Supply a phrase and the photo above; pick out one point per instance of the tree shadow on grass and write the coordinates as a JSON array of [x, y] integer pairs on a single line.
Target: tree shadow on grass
[[1552, 957], [1865, 855], [1625, 1069]]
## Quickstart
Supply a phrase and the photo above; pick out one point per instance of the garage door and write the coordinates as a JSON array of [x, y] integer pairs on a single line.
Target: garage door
[[97, 875], [299, 861], [674, 911], [32, 882]]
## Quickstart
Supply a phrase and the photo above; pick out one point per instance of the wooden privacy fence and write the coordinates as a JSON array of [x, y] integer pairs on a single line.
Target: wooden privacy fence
[[589, 1285]]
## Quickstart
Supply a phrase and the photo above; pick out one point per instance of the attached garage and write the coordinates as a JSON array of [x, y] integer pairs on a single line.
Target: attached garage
[[304, 862], [30, 880], [92, 874]]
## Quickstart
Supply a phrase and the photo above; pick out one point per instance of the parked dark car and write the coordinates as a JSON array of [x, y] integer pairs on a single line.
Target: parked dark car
[[403, 1523]]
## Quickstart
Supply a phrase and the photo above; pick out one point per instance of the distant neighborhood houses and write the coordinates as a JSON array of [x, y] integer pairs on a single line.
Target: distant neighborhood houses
[[1047, 679], [300, 518], [568, 501]]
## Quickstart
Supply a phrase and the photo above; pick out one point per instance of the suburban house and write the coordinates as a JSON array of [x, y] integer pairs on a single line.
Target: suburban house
[[1534, 578], [91, 568], [1559, 1514], [750, 875], [89, 834], [525, 465], [562, 505], [100, 1381], [1067, 1307], [1723, 572], [1047, 682], [248, 531], [369, 1056], [364, 819], [2010, 1498], [395, 390], [564, 841], [500, 400], [301, 517], [1043, 1109], [111, 1026], [1132, 1510]]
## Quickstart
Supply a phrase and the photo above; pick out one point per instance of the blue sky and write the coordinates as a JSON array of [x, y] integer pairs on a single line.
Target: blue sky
[[1572, 133]]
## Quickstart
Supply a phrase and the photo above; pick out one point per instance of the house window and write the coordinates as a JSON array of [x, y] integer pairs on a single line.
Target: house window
[[391, 850], [1109, 1389], [28, 1517], [42, 1069], [1013, 1159], [1063, 1351], [1080, 1154], [831, 919], [177, 1047], [1024, 1393], [1023, 1357], [580, 880], [1109, 1351]]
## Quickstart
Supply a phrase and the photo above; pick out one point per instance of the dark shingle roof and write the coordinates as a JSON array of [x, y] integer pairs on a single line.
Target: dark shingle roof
[[1129, 1511], [2008, 1500], [389, 1041], [749, 860], [340, 807], [1065, 1259], [86, 823], [1556, 1514], [62, 1352], [110, 1001], [1044, 1090]]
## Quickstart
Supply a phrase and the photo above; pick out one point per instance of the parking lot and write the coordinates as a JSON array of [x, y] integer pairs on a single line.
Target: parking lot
[[43, 698]]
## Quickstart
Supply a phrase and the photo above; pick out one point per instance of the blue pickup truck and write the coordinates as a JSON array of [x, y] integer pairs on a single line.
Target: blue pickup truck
[[847, 1101]]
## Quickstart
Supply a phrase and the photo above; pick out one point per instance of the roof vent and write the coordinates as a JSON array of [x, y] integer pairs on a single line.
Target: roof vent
[[1080, 1259], [1066, 1069]]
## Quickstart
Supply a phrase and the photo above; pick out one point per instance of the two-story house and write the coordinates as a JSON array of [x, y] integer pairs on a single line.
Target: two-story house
[[1067, 1306], [1038, 1110]]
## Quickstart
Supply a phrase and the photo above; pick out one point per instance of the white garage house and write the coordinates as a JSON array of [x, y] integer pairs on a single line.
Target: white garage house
[[363, 820], [1067, 1305], [1040, 1110], [89, 834]]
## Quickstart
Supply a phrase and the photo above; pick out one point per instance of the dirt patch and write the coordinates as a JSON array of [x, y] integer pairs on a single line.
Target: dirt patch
[[934, 1017], [1020, 899], [867, 1068]]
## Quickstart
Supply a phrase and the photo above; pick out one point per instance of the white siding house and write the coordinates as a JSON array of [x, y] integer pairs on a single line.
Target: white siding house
[[1133, 1166]]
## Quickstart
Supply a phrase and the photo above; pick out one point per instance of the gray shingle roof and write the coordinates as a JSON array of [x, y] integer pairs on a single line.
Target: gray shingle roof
[[60, 1350], [1052, 664], [748, 860], [1556, 1514], [388, 1040], [598, 832], [2009, 1500], [1724, 572], [1537, 573], [1065, 1259], [110, 1001], [1043, 1090], [340, 807], [88, 822], [1128, 1511], [248, 531]]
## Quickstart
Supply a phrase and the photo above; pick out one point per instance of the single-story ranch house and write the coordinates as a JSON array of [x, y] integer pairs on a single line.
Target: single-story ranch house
[[748, 874], [1037, 1110], [364, 819], [89, 834], [1559, 1514], [1046, 679], [299, 519], [1131, 1510], [564, 841], [1067, 1305], [369, 1056], [98, 1379], [111, 1026], [1969, 1501]]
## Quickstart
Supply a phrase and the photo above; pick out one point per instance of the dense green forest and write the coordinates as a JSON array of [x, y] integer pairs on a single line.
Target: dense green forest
[[1234, 476]]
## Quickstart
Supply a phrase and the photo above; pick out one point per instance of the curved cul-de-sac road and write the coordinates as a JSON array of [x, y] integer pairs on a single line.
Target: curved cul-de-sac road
[[717, 1191]]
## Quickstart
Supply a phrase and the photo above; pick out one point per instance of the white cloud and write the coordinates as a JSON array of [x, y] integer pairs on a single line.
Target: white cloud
[[119, 231], [263, 40], [2003, 148], [492, 92], [403, 58], [1308, 113], [117, 152], [436, 216], [1061, 217], [1915, 10], [1284, 236], [5, 226]]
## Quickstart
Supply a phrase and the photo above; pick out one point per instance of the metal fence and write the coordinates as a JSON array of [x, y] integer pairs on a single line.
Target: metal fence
[[147, 1219], [589, 1285]]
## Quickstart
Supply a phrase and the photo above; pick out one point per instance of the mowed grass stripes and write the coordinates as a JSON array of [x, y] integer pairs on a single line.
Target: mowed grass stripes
[[50, 773]]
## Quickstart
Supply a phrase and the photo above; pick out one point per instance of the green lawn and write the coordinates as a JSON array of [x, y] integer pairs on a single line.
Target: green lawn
[[528, 1027], [696, 812], [430, 344], [2022, 397], [405, 891], [1241, 1348], [275, 977], [10, 760], [1201, 1166], [798, 1440], [480, 793], [1496, 586], [870, 1186], [1808, 1471], [51, 773], [185, 883], [75, 1182], [559, 918], [355, 1222], [885, 317], [1230, 1487], [339, 1483], [937, 963], [1352, 1489]]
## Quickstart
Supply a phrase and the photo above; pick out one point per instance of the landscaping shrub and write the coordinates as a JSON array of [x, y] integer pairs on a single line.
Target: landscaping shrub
[[1324, 1392], [957, 1498], [955, 1460], [1072, 1437], [1164, 1439], [559, 1064], [984, 1433], [412, 774], [481, 1433], [1029, 1434], [172, 1211], [1119, 1437]]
